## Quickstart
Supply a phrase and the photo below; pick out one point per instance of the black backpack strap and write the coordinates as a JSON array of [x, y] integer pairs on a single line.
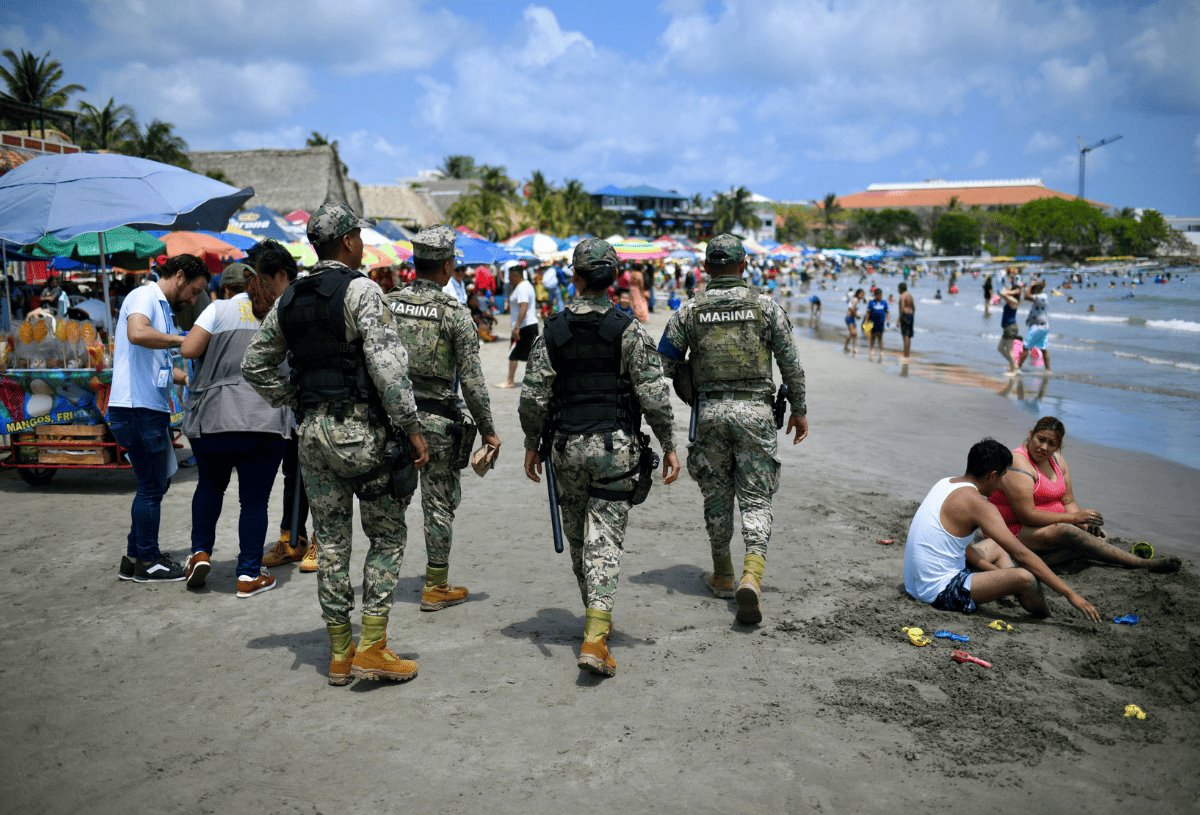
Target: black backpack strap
[[614, 324], [558, 329]]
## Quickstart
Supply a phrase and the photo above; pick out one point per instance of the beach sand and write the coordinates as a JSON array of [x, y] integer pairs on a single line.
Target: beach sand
[[117, 697]]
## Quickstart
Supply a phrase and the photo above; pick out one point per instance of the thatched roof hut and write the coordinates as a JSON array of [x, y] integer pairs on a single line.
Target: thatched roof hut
[[285, 179], [411, 207]]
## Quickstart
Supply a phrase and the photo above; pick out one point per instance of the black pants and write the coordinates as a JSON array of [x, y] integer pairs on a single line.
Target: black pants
[[291, 462]]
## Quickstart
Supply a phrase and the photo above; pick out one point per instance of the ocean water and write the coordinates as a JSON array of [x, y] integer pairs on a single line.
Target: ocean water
[[1126, 374]]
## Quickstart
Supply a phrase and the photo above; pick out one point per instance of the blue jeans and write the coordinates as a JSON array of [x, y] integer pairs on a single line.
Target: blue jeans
[[554, 293], [256, 457], [146, 436]]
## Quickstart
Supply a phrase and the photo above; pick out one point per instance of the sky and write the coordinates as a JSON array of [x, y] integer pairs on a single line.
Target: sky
[[790, 98]]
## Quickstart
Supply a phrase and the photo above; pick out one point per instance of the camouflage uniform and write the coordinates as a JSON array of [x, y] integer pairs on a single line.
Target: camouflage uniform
[[595, 527], [443, 351], [334, 450], [735, 452]]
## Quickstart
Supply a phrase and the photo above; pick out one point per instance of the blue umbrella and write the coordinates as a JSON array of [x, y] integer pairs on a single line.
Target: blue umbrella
[[69, 195], [72, 194], [393, 231], [264, 222], [477, 250]]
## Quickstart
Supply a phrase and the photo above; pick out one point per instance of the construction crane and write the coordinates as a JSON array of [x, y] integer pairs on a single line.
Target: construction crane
[[1083, 151]]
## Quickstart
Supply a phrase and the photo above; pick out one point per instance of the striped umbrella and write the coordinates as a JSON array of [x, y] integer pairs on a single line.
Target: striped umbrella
[[640, 250]]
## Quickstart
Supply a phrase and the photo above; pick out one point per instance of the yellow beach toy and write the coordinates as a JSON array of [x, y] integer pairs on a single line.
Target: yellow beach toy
[[1134, 712], [1000, 625], [916, 636]]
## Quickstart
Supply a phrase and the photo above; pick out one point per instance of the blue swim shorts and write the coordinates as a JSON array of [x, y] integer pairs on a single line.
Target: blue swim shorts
[[957, 595]]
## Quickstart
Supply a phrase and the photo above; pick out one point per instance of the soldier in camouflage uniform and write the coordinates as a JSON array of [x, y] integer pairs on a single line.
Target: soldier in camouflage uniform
[[443, 351], [590, 376], [731, 332], [349, 381]]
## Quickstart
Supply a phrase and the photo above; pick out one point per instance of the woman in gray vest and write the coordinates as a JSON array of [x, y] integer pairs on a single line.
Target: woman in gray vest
[[231, 427]]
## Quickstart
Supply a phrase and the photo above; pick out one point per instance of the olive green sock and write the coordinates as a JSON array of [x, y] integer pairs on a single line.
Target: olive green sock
[[437, 575], [754, 565], [340, 639], [374, 629], [597, 625]]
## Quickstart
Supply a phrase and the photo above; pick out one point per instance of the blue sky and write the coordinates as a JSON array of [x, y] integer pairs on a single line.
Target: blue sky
[[791, 98]]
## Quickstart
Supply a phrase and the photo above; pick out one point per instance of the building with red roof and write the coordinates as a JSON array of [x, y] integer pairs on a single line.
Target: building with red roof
[[926, 195]]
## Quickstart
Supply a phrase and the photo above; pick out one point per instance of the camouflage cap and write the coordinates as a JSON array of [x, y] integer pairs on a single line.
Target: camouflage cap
[[594, 254], [236, 274], [331, 221], [724, 249], [434, 243]]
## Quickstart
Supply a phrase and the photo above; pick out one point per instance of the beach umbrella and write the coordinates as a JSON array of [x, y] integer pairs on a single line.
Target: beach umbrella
[[639, 250], [303, 252], [539, 243], [683, 254], [478, 250], [197, 243], [404, 249], [468, 231], [373, 237], [393, 230], [297, 216], [264, 222], [122, 246], [71, 194]]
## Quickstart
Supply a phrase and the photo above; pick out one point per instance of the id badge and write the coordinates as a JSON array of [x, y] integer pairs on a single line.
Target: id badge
[[164, 378]]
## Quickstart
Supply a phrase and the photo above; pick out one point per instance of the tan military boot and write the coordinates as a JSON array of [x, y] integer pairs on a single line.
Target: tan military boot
[[309, 562], [720, 580], [341, 643], [374, 660], [436, 598], [749, 590], [593, 655], [283, 551]]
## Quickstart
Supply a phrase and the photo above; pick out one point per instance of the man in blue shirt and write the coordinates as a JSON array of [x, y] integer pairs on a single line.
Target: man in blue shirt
[[139, 405], [877, 313]]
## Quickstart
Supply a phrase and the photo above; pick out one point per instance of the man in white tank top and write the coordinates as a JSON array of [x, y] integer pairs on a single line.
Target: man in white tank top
[[935, 559]]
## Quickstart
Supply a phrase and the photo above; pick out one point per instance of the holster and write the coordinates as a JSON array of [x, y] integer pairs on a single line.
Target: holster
[[647, 464], [398, 465], [463, 432]]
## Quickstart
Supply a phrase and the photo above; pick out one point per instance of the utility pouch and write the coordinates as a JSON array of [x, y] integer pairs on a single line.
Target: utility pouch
[[647, 464], [397, 465], [464, 433]]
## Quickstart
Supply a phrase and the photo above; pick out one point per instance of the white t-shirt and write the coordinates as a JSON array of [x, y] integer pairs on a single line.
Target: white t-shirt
[[142, 377], [550, 278], [523, 293], [217, 319], [932, 556]]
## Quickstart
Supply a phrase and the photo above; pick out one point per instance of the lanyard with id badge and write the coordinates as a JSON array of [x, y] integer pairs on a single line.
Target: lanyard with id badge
[[165, 377]]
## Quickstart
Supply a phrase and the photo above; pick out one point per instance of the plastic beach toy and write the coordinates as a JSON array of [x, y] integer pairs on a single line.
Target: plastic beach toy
[[950, 635], [963, 656], [1143, 549], [1134, 712], [1127, 619], [916, 636], [1000, 625]]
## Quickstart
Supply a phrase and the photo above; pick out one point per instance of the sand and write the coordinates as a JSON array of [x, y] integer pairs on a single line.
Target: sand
[[117, 697]]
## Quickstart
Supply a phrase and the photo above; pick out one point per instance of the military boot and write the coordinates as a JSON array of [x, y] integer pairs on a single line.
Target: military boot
[[341, 643], [594, 656], [283, 551], [749, 590], [373, 659], [720, 580], [438, 593]]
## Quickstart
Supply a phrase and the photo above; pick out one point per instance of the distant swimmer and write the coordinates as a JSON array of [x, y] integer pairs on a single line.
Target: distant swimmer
[[938, 295], [1092, 308]]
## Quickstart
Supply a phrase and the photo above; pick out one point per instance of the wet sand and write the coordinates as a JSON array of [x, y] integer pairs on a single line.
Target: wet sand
[[117, 697]]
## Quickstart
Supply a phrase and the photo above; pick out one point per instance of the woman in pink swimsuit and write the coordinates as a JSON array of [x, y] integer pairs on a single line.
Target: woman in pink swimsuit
[[1038, 503]]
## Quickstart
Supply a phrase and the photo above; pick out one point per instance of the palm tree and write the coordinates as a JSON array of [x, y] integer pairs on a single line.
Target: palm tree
[[159, 143], [697, 203], [577, 206], [485, 212], [35, 80], [316, 139], [829, 208], [458, 167], [106, 128], [494, 180], [734, 209]]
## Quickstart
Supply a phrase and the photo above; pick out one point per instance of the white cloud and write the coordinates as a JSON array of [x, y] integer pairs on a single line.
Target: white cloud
[[980, 159], [1041, 141], [206, 94], [1196, 153], [863, 143], [1063, 78], [546, 41]]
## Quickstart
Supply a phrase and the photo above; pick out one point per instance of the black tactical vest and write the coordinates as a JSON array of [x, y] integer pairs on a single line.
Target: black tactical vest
[[326, 369], [591, 395]]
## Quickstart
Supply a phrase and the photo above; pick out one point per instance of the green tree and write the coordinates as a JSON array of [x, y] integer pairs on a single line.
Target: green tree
[[158, 142], [888, 226], [734, 209], [1142, 237], [1056, 226], [34, 80], [796, 222], [458, 167], [956, 233], [495, 180], [316, 139], [106, 128]]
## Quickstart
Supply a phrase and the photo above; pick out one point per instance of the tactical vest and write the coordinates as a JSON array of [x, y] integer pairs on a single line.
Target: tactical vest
[[729, 341], [326, 369], [423, 325], [591, 394]]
